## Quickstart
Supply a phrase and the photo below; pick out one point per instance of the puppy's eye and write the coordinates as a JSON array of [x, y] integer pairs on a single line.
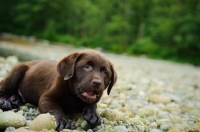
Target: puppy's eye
[[87, 67], [105, 72]]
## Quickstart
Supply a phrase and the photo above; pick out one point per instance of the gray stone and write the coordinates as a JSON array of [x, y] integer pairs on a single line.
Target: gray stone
[[9, 129], [120, 129], [24, 108], [164, 127], [163, 115]]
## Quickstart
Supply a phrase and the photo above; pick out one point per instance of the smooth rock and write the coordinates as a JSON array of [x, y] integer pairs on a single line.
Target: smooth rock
[[136, 121], [89, 130], [197, 125], [112, 115], [191, 122], [29, 105], [20, 112], [127, 111], [144, 121], [85, 125], [120, 129], [68, 130], [9, 129], [172, 109], [22, 129], [109, 130], [176, 118], [11, 119], [174, 129], [164, 127], [2, 60], [159, 99], [153, 125], [12, 60], [155, 130], [163, 115], [24, 108], [162, 121], [145, 112], [43, 122], [1, 78], [102, 105], [3, 73], [180, 126]]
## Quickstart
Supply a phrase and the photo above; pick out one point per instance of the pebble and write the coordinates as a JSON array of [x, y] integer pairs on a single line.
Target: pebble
[[145, 112], [197, 125], [153, 125], [174, 129], [102, 105], [155, 130], [24, 108], [109, 130], [85, 125], [136, 121], [191, 122], [9, 129], [23, 129], [159, 99], [127, 111], [163, 115], [10, 118], [12, 60], [181, 126], [120, 129], [112, 115], [164, 127], [43, 122]]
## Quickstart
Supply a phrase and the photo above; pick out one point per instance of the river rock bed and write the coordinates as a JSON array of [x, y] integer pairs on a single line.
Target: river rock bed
[[149, 96]]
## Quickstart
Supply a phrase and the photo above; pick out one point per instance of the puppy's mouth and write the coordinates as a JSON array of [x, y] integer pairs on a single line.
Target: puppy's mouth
[[90, 95]]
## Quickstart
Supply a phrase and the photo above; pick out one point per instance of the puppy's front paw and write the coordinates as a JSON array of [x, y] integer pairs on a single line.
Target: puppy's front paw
[[63, 123], [91, 117], [15, 101], [5, 104]]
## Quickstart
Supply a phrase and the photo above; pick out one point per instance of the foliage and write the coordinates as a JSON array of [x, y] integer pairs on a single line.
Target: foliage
[[160, 29]]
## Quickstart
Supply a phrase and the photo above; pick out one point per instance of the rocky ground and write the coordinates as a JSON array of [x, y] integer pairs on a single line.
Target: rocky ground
[[149, 96]]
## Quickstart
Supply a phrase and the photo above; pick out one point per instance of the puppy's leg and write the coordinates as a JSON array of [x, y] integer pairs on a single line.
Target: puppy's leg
[[48, 105], [10, 84], [90, 114]]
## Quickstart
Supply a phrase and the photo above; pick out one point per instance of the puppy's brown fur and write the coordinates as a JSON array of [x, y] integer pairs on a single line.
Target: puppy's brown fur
[[75, 84]]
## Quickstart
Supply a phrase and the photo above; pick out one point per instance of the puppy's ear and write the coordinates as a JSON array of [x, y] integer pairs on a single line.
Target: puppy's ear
[[66, 66], [113, 79]]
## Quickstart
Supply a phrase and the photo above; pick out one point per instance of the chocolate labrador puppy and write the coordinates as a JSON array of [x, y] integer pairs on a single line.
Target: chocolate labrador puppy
[[73, 85]]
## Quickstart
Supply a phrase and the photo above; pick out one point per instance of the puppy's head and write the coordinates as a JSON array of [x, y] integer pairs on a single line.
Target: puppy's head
[[89, 73]]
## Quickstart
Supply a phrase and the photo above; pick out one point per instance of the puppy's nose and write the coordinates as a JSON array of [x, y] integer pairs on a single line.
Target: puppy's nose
[[96, 82]]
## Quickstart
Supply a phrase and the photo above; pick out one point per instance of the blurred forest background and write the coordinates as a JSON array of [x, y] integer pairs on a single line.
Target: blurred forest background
[[162, 29]]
